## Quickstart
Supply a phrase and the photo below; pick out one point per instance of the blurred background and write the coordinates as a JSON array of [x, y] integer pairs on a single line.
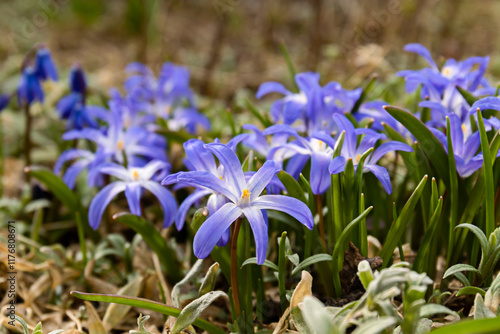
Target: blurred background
[[234, 44]]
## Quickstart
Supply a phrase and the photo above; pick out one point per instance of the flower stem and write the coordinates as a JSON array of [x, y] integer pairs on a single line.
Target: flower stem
[[27, 139], [234, 267]]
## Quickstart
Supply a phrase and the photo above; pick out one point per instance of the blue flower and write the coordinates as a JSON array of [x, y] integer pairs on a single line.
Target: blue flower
[[77, 80], [244, 198], [200, 159], [4, 101], [135, 143], [29, 88], [313, 106], [439, 86], [169, 97], [351, 150], [374, 111], [464, 147], [44, 65], [83, 160], [72, 107], [318, 147], [132, 181]]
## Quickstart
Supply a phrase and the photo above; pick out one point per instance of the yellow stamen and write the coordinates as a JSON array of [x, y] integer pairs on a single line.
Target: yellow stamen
[[135, 175], [119, 145], [245, 193], [220, 177], [358, 157], [463, 128], [320, 143]]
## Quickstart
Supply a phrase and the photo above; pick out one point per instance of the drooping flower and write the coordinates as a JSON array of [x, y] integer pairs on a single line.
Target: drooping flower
[[132, 181], [244, 199], [4, 101], [351, 150], [29, 88], [73, 108], [44, 65]]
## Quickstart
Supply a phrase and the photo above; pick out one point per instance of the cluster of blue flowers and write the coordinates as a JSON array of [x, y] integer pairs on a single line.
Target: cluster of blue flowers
[[307, 127]]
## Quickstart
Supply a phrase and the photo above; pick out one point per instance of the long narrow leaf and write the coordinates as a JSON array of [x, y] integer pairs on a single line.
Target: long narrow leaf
[[146, 304]]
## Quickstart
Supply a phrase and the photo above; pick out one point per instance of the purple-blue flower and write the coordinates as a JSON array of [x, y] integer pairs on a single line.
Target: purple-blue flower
[[132, 181], [44, 65], [439, 85], [244, 199], [29, 88], [313, 106], [4, 101], [351, 150], [168, 97], [318, 147]]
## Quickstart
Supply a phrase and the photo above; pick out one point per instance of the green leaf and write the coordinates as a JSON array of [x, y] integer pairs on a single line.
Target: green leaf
[[467, 95], [481, 311], [430, 309], [479, 234], [208, 283], [316, 316], [397, 229], [488, 176], [267, 263], [425, 246], [375, 326], [482, 326], [365, 92], [292, 186], [458, 268], [339, 246], [310, 261], [146, 304], [289, 63], [470, 290], [55, 186], [453, 193], [176, 290], [154, 240], [262, 119], [116, 312], [282, 271], [429, 143], [194, 309]]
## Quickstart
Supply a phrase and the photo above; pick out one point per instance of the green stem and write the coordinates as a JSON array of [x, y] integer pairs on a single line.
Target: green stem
[[27, 139], [234, 268]]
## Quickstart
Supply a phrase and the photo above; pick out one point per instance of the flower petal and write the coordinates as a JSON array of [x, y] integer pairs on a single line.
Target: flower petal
[[337, 165], [101, 201], [289, 205], [213, 228], [232, 166], [259, 229], [202, 179], [389, 147], [133, 194], [261, 179], [271, 87], [180, 217], [199, 156], [166, 199], [320, 177], [422, 51], [382, 174]]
